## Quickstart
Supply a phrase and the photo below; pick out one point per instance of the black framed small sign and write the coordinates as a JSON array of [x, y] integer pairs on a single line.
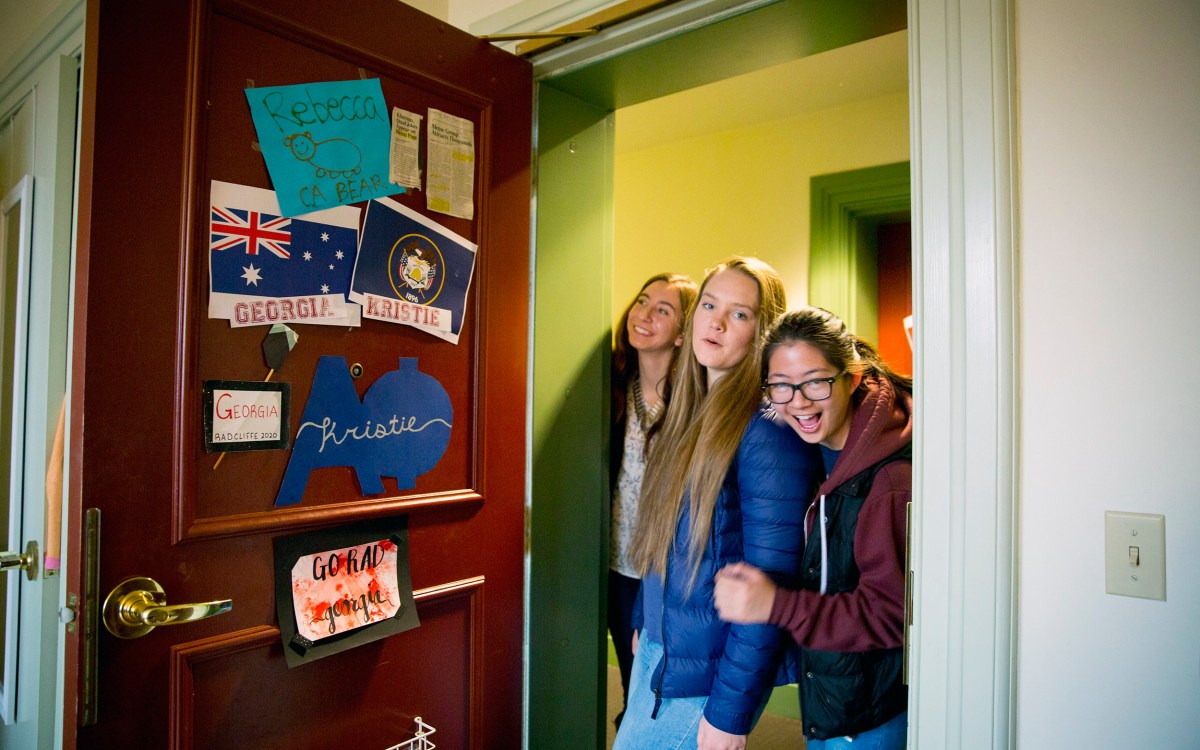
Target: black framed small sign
[[246, 415]]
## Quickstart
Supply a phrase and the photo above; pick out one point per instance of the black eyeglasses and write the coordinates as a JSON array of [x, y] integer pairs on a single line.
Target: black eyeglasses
[[817, 389]]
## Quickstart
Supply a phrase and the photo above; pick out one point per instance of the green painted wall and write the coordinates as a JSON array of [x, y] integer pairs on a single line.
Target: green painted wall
[[686, 205], [768, 35], [568, 514]]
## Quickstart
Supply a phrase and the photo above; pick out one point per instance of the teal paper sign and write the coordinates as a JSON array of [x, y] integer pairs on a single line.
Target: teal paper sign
[[326, 144]]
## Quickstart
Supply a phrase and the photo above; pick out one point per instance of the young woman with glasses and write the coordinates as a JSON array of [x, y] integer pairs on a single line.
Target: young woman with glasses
[[847, 614], [644, 355], [724, 483]]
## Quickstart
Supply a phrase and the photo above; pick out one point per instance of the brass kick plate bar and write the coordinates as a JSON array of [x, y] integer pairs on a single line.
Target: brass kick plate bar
[[91, 616]]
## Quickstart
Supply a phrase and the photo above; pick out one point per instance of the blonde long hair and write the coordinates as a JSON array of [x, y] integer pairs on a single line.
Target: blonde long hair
[[701, 432]]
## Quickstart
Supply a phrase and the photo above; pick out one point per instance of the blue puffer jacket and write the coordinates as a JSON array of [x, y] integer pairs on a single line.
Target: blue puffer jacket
[[758, 518]]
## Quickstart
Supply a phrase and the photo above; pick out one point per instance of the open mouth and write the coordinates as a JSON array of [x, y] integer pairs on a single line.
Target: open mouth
[[808, 423]]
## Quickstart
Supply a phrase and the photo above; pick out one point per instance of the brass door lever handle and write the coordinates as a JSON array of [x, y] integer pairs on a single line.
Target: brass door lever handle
[[28, 561], [138, 605]]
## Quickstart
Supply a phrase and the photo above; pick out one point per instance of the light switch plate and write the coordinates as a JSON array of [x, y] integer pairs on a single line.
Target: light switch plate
[[1135, 554]]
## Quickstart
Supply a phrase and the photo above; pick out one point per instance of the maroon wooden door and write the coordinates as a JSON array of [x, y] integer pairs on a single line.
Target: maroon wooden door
[[165, 114]]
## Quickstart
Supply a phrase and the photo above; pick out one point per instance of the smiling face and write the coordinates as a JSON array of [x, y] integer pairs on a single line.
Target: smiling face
[[655, 320], [825, 422], [301, 145], [725, 323]]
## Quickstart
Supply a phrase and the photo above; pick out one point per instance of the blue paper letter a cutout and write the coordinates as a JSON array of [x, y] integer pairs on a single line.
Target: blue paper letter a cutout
[[400, 430]]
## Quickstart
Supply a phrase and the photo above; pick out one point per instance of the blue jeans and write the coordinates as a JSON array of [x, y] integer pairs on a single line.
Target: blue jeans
[[891, 735], [678, 719]]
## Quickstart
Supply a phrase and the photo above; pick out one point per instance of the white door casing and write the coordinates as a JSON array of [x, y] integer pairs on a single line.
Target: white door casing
[[962, 674]]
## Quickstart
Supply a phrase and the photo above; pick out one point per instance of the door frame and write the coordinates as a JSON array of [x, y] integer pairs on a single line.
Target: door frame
[[567, 506], [44, 73], [966, 338], [963, 650], [845, 209]]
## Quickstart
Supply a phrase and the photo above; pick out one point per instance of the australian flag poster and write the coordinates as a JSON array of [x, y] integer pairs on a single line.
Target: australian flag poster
[[265, 268], [412, 271]]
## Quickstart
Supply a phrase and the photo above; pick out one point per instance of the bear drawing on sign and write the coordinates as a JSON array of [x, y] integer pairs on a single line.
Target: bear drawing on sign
[[334, 157], [400, 429]]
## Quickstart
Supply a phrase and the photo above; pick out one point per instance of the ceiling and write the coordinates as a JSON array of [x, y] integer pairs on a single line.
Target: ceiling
[[864, 70]]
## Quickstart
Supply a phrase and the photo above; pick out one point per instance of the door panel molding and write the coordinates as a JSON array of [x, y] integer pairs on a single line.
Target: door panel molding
[[184, 659], [440, 606], [192, 528], [842, 263]]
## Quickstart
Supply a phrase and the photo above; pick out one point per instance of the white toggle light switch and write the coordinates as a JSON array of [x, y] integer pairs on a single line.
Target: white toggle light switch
[[1135, 555]]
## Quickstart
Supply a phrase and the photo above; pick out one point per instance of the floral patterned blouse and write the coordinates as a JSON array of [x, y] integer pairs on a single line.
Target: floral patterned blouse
[[627, 494]]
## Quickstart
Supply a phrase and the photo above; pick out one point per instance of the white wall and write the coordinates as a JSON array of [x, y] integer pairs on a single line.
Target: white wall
[[19, 20], [1109, 274], [510, 16], [436, 8]]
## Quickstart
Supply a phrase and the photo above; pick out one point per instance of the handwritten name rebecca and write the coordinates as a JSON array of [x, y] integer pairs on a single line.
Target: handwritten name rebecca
[[394, 426], [317, 111]]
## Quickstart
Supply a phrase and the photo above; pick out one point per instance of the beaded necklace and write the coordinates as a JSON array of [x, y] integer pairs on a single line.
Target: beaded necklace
[[645, 415]]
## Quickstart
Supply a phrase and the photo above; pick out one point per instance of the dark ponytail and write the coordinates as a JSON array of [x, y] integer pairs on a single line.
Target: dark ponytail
[[827, 333]]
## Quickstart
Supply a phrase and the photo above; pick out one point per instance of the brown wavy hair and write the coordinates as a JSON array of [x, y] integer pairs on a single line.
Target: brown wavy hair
[[624, 356]]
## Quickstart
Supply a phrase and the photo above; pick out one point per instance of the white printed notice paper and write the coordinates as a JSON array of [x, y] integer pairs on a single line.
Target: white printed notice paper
[[451, 161]]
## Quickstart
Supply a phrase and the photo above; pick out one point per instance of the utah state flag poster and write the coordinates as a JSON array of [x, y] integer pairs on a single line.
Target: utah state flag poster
[[412, 271]]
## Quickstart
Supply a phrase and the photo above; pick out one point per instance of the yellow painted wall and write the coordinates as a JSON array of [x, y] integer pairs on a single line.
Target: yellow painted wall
[[686, 205]]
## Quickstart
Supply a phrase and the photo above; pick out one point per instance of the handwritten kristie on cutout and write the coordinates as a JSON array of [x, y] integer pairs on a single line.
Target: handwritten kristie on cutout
[[326, 144], [400, 429]]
